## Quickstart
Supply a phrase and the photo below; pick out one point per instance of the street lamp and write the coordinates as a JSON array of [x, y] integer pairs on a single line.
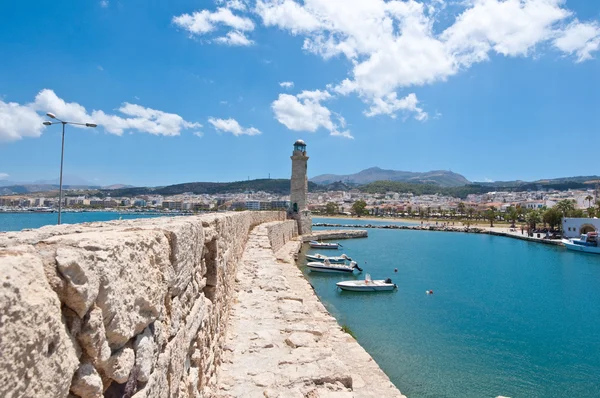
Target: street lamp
[[62, 152]]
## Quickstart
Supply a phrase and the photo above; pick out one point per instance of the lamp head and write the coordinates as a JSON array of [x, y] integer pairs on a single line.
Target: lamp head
[[51, 115], [91, 124], [47, 123]]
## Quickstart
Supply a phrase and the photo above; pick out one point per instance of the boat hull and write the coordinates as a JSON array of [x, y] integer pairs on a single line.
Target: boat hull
[[361, 286], [581, 248], [324, 246], [332, 260], [330, 270]]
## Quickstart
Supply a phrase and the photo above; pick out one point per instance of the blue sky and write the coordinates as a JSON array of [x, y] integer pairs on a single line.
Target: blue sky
[[192, 90]]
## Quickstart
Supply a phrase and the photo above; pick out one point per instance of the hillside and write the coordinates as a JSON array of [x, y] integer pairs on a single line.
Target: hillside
[[442, 178], [276, 186]]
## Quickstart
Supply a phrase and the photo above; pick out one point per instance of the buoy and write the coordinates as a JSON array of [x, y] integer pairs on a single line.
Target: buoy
[[395, 269]]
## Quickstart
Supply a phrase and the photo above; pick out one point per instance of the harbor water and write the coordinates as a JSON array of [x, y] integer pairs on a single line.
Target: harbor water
[[507, 317]]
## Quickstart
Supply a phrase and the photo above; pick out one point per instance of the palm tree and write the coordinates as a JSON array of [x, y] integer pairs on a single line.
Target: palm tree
[[532, 218], [589, 198], [513, 215], [470, 212], [490, 215], [565, 206], [461, 208]]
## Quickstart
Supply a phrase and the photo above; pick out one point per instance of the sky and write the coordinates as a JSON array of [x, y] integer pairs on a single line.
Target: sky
[[219, 90]]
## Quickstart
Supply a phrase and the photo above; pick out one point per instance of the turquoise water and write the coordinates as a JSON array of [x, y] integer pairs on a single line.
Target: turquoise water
[[19, 221], [507, 317]]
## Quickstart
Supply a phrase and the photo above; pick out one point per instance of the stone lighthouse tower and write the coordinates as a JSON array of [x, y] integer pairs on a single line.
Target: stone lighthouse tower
[[299, 189]]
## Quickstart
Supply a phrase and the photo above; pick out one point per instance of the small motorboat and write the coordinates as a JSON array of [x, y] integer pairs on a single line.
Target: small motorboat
[[367, 285], [323, 245], [586, 243], [333, 260], [326, 266]]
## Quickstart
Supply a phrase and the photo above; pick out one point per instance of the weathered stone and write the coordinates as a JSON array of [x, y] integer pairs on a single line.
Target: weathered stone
[[119, 365], [300, 339], [93, 337], [38, 356], [144, 354], [87, 382], [82, 282]]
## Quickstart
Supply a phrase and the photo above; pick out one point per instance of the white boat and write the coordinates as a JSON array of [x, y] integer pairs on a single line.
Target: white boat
[[586, 243], [367, 285], [326, 266], [323, 245], [334, 260]]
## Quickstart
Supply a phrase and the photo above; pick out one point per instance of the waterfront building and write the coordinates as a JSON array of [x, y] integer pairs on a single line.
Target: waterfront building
[[172, 204], [575, 227]]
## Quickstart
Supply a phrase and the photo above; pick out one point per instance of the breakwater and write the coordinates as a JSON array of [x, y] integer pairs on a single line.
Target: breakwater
[[440, 228], [123, 307], [335, 234], [141, 308]]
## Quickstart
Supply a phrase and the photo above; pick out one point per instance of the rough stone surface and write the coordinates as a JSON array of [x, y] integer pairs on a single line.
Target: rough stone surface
[[120, 364], [37, 355], [281, 341], [87, 382], [138, 302]]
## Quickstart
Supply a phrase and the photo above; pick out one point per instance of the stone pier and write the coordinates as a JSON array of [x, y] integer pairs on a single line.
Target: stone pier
[[282, 342]]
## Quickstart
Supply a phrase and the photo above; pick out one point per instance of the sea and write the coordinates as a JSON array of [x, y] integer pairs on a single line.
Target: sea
[[19, 221], [506, 317]]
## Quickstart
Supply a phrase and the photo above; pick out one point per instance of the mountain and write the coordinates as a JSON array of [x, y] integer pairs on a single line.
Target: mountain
[[276, 186], [438, 177]]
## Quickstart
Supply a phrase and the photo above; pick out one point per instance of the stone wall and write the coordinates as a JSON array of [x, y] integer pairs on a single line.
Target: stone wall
[[125, 308], [281, 232]]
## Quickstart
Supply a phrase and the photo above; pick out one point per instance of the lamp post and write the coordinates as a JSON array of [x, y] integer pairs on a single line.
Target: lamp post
[[62, 152]]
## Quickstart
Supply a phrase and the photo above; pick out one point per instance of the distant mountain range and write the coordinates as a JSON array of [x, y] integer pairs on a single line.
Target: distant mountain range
[[373, 180], [442, 178]]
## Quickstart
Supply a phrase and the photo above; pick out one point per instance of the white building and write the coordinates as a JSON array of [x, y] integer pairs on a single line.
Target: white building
[[575, 227]]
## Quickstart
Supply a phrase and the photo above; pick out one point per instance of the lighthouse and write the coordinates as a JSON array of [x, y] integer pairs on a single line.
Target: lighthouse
[[299, 189]]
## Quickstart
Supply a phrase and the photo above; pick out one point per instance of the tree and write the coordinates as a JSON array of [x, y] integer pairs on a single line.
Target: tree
[[461, 208], [565, 206], [512, 214], [532, 218], [470, 212], [490, 215], [552, 217], [589, 198], [358, 207], [331, 208]]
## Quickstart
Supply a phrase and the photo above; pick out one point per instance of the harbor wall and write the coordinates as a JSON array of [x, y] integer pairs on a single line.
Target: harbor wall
[[123, 308]]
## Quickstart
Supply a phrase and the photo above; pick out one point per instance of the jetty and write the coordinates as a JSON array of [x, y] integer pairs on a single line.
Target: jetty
[[335, 234], [496, 231]]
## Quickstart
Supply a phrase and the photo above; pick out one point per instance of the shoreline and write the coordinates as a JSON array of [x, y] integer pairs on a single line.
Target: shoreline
[[457, 223]]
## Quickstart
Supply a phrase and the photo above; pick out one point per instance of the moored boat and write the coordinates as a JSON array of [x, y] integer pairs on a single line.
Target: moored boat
[[334, 260], [587, 243], [367, 285], [327, 267], [323, 245]]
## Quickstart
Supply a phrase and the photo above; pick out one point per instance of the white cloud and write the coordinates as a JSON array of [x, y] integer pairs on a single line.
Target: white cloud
[[239, 5], [203, 22], [393, 45], [579, 38], [232, 126], [345, 134], [104, 3], [234, 38], [18, 121], [199, 134], [390, 104], [305, 113], [287, 84], [4, 176]]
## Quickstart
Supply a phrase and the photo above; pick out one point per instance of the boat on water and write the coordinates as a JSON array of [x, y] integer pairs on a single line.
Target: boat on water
[[334, 260], [328, 267], [367, 285], [586, 243], [323, 245]]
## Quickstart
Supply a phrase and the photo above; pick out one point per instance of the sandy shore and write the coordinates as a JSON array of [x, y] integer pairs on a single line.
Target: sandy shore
[[416, 221]]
